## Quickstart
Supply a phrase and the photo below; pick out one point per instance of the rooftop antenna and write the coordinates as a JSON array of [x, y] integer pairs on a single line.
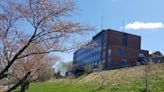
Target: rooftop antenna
[[123, 25], [102, 20]]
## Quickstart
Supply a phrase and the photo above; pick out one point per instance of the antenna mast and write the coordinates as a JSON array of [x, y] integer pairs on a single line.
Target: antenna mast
[[102, 20], [123, 25]]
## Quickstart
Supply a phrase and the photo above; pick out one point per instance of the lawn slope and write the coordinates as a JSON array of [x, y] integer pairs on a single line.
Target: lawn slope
[[118, 80]]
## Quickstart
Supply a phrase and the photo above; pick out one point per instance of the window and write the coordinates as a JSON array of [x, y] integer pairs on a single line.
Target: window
[[103, 61], [105, 39], [121, 52], [109, 52], [125, 39], [141, 55], [109, 55], [124, 61], [98, 63], [103, 54]]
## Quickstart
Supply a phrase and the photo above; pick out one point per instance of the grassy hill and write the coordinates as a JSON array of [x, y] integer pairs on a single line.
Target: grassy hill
[[118, 80]]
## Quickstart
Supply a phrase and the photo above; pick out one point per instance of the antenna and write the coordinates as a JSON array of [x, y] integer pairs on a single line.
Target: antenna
[[123, 25], [102, 20]]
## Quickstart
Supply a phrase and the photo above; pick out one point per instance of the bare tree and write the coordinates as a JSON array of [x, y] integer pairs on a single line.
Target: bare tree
[[29, 23]]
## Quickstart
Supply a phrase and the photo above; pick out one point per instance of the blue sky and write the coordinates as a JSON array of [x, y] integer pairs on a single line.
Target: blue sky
[[140, 17]]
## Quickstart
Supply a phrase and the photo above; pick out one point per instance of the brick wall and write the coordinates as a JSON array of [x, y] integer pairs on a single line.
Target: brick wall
[[115, 38]]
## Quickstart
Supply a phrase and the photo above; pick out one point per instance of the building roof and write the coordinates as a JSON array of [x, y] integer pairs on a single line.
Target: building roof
[[115, 31], [157, 54]]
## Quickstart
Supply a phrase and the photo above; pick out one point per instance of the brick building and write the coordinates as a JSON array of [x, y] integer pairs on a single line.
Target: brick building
[[111, 48]]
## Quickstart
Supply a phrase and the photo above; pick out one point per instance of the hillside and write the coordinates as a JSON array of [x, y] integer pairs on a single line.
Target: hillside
[[118, 80], [126, 74]]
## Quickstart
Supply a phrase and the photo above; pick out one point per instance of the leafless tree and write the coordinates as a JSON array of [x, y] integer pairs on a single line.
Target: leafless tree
[[29, 23]]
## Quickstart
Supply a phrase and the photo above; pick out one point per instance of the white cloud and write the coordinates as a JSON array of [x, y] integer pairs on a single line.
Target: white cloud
[[142, 25]]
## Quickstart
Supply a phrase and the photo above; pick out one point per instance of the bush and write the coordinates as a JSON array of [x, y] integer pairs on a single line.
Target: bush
[[100, 67], [46, 74], [87, 68]]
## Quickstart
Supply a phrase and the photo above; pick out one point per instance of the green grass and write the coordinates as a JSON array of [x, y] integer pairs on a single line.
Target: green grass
[[120, 80]]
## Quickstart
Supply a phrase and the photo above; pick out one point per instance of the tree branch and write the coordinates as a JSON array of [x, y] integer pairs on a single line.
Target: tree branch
[[44, 52], [17, 55]]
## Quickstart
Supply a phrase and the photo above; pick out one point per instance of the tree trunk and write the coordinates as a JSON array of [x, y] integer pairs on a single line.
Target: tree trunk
[[3, 76], [19, 82], [24, 86]]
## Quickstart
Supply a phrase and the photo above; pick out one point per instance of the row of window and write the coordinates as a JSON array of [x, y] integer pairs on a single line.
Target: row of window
[[92, 55], [93, 64], [88, 53], [90, 58]]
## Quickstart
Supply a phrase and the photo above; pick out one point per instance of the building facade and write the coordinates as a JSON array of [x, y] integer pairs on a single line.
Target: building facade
[[112, 49]]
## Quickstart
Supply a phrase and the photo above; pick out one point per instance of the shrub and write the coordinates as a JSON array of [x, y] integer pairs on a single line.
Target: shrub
[[46, 74], [87, 68]]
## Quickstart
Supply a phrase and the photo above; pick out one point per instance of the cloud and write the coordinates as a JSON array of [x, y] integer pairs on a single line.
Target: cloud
[[142, 25]]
